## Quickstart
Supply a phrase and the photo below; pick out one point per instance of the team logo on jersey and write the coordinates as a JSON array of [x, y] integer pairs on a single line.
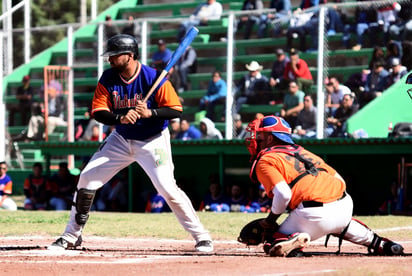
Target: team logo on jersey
[[118, 102]]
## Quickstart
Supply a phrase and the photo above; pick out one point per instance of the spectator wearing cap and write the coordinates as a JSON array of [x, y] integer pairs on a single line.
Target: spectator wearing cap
[[174, 127], [375, 83], [239, 128], [110, 29], [298, 70], [276, 79], [216, 94], [205, 11], [162, 56], [306, 121], [24, 96], [292, 104], [337, 123], [334, 94], [253, 87], [396, 72]]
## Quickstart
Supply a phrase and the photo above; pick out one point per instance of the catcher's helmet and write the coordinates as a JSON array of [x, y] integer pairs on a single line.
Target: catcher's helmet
[[279, 128], [121, 44]]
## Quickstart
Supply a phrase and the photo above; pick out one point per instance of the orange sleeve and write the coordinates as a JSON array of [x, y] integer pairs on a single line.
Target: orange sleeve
[[8, 188], [167, 97], [101, 99]]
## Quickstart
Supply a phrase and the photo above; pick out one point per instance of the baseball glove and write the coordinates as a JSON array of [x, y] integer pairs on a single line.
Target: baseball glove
[[256, 232]]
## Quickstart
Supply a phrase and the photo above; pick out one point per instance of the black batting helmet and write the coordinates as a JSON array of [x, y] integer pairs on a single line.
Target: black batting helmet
[[121, 44]]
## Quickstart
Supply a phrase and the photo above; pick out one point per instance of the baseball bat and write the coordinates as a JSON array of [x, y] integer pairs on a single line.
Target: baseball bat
[[187, 40]]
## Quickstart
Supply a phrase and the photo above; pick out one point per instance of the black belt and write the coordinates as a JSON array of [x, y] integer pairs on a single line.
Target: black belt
[[312, 203]]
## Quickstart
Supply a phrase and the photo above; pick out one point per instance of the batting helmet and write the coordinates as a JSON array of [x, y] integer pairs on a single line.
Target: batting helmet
[[121, 44]]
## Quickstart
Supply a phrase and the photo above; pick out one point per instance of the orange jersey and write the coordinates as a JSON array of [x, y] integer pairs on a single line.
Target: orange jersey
[[274, 167]]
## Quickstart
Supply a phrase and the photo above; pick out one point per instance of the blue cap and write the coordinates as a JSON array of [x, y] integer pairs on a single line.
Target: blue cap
[[279, 128]]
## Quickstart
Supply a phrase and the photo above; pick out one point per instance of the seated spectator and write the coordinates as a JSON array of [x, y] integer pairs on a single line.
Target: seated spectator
[[337, 124], [377, 55], [24, 95], [298, 70], [62, 188], [393, 50], [306, 121], [215, 200], [35, 128], [292, 104], [6, 189], [387, 15], [237, 200], [161, 57], [208, 130], [36, 189], [375, 83], [216, 94], [187, 131], [298, 28], [253, 87], [157, 204], [401, 30], [275, 19], [110, 29], [277, 79], [247, 21], [205, 11], [187, 64], [334, 94], [55, 115], [239, 128], [174, 127], [396, 72], [132, 28], [365, 15]]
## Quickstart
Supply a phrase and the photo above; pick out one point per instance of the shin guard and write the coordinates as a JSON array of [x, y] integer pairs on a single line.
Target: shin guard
[[84, 201]]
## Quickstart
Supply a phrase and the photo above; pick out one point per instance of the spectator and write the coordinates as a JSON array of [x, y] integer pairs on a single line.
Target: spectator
[[187, 64], [387, 15], [306, 121], [377, 55], [110, 29], [253, 87], [209, 10], [298, 28], [277, 79], [113, 195], [365, 15], [334, 94], [131, 28], [396, 72], [264, 201], [62, 185], [216, 94], [24, 95], [162, 56], [157, 204], [393, 50], [174, 127], [247, 21], [208, 129], [215, 200], [402, 28], [187, 131], [292, 104], [6, 188], [277, 19], [35, 128], [55, 109], [337, 123], [375, 83], [239, 128], [36, 189], [298, 70]]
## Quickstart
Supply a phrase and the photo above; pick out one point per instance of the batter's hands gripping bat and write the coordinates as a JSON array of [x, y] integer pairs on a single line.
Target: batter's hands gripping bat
[[190, 35]]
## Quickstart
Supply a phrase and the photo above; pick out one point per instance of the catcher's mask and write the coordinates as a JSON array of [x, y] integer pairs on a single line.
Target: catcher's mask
[[121, 44], [274, 124]]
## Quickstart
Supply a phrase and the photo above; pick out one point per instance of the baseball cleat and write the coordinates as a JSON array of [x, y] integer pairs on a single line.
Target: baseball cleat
[[62, 244], [204, 246], [294, 241]]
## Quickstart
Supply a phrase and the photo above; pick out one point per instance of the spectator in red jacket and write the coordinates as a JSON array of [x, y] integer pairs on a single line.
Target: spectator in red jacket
[[298, 70]]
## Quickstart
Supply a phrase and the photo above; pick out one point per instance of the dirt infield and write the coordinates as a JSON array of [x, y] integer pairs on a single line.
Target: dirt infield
[[108, 256]]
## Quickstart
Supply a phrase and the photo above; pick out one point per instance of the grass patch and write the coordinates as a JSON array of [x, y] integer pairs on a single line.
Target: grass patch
[[222, 226]]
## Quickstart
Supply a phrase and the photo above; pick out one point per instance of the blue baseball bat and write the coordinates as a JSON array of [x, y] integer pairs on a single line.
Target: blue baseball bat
[[187, 40]]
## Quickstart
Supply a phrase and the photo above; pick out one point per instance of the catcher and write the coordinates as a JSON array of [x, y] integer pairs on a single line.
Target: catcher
[[313, 192]]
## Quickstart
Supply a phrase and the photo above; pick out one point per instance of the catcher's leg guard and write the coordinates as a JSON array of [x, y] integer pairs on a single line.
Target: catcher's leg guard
[[359, 233], [84, 201]]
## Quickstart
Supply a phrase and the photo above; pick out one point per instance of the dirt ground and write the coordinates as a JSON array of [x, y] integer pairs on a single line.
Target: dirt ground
[[108, 256]]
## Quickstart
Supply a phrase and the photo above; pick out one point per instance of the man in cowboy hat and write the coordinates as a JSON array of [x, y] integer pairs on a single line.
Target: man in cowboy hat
[[253, 87]]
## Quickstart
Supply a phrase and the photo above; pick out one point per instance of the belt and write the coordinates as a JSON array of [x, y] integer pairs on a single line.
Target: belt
[[312, 203]]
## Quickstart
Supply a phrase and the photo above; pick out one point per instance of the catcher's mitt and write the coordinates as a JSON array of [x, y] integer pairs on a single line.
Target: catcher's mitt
[[256, 232]]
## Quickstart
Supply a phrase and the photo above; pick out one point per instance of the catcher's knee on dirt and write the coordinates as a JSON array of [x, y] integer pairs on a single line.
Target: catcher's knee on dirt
[[84, 201]]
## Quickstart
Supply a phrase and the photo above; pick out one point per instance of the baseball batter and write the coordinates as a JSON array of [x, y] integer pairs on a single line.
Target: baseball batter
[[313, 192], [141, 135]]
